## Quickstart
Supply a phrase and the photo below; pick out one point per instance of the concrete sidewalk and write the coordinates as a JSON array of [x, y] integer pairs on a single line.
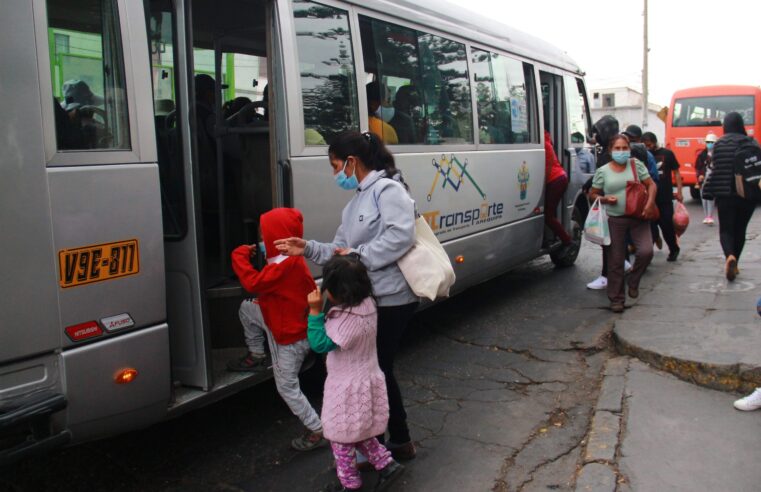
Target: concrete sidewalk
[[659, 423]]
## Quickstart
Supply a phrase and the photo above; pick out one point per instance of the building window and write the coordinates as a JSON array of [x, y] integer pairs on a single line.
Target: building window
[[608, 100]]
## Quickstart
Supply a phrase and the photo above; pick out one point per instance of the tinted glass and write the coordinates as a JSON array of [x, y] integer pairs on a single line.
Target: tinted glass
[[577, 109], [161, 33], [503, 98], [87, 72], [710, 111], [418, 90], [326, 65]]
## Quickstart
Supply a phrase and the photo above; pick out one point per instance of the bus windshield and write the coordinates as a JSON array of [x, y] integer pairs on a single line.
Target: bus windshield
[[710, 111]]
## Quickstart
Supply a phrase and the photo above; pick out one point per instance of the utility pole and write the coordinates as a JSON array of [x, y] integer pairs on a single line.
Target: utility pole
[[644, 72]]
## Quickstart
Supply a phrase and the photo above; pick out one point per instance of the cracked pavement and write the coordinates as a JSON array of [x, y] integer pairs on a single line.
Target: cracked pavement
[[500, 385]]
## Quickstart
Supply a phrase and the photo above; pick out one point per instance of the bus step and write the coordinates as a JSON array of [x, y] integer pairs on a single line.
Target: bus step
[[25, 428], [228, 288]]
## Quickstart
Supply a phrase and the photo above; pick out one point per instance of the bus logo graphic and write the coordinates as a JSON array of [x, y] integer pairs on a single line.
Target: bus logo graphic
[[452, 171], [523, 178]]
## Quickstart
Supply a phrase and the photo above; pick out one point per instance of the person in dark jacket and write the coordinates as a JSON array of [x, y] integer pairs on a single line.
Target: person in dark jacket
[[734, 211]]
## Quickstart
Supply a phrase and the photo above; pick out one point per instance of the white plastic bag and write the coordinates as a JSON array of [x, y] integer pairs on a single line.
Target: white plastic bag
[[596, 226], [426, 266]]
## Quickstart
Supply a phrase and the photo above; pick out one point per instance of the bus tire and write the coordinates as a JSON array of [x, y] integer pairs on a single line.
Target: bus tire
[[694, 193], [565, 257]]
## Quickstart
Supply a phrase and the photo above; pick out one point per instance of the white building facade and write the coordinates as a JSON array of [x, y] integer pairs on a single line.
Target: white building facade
[[625, 104]]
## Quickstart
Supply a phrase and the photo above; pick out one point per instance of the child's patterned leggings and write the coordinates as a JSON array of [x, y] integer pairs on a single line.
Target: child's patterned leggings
[[346, 460]]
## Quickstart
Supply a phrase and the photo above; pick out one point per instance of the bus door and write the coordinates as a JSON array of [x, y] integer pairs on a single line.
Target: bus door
[[553, 104], [167, 22], [211, 91]]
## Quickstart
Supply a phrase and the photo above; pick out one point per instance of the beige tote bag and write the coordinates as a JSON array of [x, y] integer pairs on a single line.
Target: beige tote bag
[[426, 266]]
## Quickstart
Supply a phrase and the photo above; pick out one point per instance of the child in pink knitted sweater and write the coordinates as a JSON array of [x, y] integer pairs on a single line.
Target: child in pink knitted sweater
[[355, 404]]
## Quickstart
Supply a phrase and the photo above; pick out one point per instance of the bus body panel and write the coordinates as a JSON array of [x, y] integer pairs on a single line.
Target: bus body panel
[[459, 193], [28, 297], [688, 141], [97, 405], [96, 205], [18, 379]]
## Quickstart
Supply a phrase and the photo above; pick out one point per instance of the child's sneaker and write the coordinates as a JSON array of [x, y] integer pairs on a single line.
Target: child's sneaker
[[388, 475], [709, 220], [250, 362], [750, 402], [309, 441]]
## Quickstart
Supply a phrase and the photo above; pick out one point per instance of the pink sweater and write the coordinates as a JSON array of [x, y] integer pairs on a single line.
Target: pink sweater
[[355, 405]]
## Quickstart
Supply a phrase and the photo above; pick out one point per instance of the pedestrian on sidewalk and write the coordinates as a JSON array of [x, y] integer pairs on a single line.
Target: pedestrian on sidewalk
[[735, 211], [753, 400], [667, 164], [355, 406], [556, 182], [602, 131], [279, 313], [378, 223], [703, 167], [609, 185]]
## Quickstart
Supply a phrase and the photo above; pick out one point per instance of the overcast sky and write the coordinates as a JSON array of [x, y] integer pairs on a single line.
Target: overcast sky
[[692, 42]]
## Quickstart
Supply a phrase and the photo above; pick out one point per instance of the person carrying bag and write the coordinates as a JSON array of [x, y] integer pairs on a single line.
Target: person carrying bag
[[629, 206], [596, 226]]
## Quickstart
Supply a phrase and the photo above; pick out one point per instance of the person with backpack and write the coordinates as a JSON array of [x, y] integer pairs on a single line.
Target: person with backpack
[[735, 210]]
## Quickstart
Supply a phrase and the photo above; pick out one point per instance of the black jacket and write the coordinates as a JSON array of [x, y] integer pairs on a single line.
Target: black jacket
[[721, 181]]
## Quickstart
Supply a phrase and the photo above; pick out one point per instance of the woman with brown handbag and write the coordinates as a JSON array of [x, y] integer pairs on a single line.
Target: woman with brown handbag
[[628, 192]]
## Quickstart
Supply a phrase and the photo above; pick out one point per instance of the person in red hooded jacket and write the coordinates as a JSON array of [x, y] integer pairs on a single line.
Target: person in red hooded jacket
[[556, 182], [279, 312]]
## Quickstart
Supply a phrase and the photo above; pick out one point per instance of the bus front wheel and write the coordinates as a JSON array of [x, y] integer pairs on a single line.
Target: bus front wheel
[[565, 257]]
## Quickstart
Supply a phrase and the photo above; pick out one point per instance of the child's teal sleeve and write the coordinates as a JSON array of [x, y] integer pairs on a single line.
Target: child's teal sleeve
[[318, 339]]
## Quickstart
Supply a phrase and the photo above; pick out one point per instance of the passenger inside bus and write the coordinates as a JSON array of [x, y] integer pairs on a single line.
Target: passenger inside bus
[[406, 125], [385, 131]]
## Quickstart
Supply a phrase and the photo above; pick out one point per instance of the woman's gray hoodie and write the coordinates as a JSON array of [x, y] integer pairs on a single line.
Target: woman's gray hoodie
[[379, 225]]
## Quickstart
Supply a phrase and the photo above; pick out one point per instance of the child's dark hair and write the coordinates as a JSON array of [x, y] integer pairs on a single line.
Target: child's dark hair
[[369, 148], [345, 277]]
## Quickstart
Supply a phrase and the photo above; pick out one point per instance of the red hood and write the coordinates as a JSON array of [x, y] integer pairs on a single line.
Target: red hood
[[280, 223]]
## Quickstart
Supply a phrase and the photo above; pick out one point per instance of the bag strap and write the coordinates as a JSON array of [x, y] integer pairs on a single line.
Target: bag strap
[[634, 170]]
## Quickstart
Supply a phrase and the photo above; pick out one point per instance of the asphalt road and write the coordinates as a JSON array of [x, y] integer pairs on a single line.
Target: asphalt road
[[500, 384]]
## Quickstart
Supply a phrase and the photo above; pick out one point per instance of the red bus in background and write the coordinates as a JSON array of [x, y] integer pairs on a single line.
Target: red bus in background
[[695, 112]]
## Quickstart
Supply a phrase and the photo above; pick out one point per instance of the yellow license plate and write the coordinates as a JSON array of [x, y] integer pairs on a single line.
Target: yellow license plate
[[89, 264]]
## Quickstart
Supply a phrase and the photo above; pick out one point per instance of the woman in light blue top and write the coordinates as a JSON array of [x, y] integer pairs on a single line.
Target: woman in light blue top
[[609, 185], [378, 224]]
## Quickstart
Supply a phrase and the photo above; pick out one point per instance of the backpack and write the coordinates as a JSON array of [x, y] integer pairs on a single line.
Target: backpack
[[747, 170]]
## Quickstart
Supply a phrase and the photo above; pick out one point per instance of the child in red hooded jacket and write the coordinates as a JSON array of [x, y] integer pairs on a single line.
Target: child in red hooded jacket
[[279, 312]]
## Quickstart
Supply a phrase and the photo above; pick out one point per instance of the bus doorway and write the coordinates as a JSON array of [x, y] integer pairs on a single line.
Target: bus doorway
[[211, 64]]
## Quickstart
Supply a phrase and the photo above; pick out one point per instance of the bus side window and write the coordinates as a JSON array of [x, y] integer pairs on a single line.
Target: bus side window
[[326, 64], [87, 72], [576, 102], [503, 96], [161, 35], [426, 76]]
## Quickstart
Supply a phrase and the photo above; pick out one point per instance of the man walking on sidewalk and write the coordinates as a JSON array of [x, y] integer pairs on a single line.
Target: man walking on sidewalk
[[667, 163]]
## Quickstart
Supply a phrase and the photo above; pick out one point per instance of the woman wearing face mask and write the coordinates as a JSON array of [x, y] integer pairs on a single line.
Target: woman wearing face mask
[[609, 185], [378, 224], [703, 166]]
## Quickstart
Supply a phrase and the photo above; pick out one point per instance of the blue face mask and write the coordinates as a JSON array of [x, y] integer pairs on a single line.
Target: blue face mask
[[344, 182], [261, 248], [709, 145], [620, 156]]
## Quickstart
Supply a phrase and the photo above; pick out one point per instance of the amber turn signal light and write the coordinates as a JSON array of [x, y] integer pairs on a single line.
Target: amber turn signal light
[[125, 376], [459, 259]]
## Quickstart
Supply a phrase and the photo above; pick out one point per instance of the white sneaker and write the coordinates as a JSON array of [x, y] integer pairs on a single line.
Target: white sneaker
[[750, 402], [705, 221], [709, 220], [598, 284], [627, 267]]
